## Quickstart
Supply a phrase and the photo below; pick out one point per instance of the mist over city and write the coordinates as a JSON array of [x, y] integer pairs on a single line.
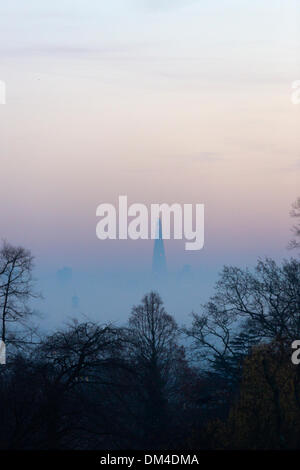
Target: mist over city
[[149, 253]]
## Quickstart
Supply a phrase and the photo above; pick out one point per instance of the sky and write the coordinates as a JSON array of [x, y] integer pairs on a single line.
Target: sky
[[164, 101]]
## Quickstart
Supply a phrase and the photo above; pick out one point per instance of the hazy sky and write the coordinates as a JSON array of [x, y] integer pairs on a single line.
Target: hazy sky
[[162, 100]]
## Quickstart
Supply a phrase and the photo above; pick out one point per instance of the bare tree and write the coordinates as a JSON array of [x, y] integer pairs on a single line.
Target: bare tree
[[84, 373], [16, 285], [77, 352], [153, 333], [153, 337], [248, 308], [58, 396]]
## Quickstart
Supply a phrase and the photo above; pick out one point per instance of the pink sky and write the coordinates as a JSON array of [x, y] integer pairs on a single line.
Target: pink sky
[[172, 104]]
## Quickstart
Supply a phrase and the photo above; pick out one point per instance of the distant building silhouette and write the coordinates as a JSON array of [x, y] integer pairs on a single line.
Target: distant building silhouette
[[75, 301], [64, 275], [185, 273], [159, 264]]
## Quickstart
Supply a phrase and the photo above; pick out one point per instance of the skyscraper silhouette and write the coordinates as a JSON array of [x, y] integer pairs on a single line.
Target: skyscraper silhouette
[[159, 264]]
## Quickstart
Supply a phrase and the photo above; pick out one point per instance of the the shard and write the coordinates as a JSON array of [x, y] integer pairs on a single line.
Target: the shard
[[159, 264]]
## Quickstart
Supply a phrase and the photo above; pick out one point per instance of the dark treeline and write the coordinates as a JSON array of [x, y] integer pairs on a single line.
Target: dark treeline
[[225, 381]]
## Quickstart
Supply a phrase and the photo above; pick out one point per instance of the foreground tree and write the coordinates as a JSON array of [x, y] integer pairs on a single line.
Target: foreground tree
[[16, 286], [248, 308], [266, 414], [153, 352], [56, 398], [91, 386]]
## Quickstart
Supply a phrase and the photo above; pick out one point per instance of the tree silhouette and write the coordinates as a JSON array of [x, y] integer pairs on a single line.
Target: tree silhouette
[[16, 286], [153, 338], [248, 308]]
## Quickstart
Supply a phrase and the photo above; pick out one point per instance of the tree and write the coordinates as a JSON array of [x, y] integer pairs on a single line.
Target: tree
[[16, 285], [248, 308], [58, 397], [90, 386], [154, 352], [295, 213], [266, 414]]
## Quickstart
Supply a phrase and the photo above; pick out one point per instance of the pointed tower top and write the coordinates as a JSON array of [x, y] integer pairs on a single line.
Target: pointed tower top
[[159, 264]]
